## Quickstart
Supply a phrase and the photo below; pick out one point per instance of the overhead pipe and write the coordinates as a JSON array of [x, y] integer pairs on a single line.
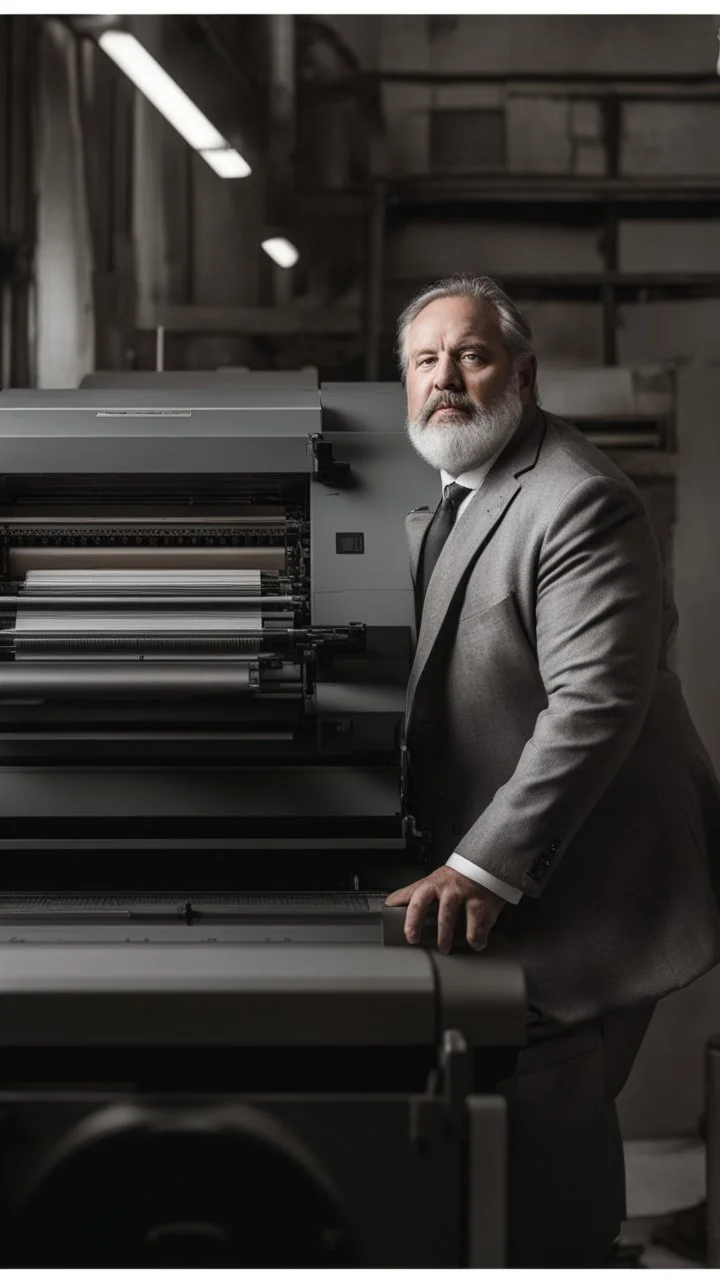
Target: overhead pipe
[[282, 138]]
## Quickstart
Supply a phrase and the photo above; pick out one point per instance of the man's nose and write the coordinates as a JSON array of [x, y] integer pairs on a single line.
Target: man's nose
[[447, 374]]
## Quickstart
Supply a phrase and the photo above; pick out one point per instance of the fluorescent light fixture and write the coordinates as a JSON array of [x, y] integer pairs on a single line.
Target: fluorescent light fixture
[[161, 90], [226, 162], [281, 251]]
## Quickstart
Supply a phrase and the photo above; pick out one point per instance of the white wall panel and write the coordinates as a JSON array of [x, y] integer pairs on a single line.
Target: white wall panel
[[687, 244], [538, 129], [684, 329], [671, 139], [423, 249], [562, 42]]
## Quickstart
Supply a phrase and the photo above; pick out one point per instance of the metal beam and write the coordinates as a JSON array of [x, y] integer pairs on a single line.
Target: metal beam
[[375, 279], [483, 188], [651, 280], [256, 320], [626, 81]]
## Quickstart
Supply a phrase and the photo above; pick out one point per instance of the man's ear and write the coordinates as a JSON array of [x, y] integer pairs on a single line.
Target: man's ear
[[527, 378]]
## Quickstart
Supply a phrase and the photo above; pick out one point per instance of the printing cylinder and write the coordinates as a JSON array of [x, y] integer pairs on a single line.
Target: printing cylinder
[[173, 1186], [22, 559], [117, 680]]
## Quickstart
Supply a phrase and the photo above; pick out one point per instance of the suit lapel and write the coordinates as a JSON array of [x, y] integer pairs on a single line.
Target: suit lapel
[[474, 530], [416, 526]]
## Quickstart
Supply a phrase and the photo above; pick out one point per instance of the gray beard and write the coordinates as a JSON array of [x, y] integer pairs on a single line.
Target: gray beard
[[459, 446]]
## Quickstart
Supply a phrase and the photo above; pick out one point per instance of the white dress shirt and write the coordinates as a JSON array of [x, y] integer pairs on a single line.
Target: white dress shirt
[[473, 480]]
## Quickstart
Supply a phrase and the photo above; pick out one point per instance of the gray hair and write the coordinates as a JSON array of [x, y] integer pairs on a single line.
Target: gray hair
[[515, 329]]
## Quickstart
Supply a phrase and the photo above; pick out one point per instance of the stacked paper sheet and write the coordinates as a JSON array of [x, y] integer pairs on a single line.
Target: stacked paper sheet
[[175, 581], [93, 621], [125, 621]]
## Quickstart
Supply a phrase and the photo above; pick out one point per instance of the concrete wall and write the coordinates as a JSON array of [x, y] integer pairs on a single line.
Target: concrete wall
[[197, 235], [679, 330], [544, 132], [554, 132], [359, 32], [665, 1093], [225, 257], [430, 248], [554, 43]]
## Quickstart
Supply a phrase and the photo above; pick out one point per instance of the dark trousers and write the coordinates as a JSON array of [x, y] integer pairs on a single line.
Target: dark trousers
[[566, 1172]]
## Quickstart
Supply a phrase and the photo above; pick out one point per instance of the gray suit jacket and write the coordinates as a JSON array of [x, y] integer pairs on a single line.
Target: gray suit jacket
[[549, 742]]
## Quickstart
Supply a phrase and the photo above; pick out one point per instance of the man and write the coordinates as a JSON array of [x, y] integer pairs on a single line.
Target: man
[[574, 812]]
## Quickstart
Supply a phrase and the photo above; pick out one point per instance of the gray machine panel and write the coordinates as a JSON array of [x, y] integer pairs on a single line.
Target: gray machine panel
[[389, 479], [271, 404], [87, 994], [82, 968], [276, 930], [144, 432], [192, 379], [363, 406], [231, 995]]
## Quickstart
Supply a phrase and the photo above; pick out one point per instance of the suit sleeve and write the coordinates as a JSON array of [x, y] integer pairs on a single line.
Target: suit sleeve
[[599, 594]]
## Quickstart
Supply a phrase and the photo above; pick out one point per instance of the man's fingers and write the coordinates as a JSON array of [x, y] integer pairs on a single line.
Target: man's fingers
[[476, 930], [451, 901], [424, 894], [453, 892], [401, 897]]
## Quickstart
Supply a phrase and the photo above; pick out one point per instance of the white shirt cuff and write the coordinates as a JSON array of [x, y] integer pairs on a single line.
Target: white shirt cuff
[[473, 872]]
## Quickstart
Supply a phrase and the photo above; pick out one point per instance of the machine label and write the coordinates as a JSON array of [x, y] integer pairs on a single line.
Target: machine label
[[144, 413]]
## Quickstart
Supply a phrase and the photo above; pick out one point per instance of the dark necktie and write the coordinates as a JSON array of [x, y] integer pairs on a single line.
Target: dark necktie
[[437, 535]]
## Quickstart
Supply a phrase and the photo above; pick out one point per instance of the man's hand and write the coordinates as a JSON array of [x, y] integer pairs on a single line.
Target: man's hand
[[453, 891]]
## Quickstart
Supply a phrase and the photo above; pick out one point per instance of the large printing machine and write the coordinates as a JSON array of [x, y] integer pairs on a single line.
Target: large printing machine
[[215, 1047]]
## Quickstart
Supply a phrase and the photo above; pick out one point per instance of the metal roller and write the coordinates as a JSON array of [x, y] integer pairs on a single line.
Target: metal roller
[[117, 680], [137, 644], [69, 601], [23, 559]]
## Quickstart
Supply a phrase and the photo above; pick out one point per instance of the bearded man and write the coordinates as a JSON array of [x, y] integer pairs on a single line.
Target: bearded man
[[572, 806]]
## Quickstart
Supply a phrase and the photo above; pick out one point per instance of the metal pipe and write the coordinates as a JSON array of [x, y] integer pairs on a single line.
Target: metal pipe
[[282, 99], [612, 130], [281, 167], [605, 78], [374, 283]]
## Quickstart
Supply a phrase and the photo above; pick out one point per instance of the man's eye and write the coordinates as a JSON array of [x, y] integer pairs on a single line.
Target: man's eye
[[472, 355], [425, 360]]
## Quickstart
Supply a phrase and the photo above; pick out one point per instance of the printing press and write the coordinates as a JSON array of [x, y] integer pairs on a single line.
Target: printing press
[[214, 1040]]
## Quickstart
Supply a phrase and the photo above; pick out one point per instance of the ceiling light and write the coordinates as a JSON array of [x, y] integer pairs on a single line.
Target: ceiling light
[[226, 162], [161, 90], [281, 251]]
